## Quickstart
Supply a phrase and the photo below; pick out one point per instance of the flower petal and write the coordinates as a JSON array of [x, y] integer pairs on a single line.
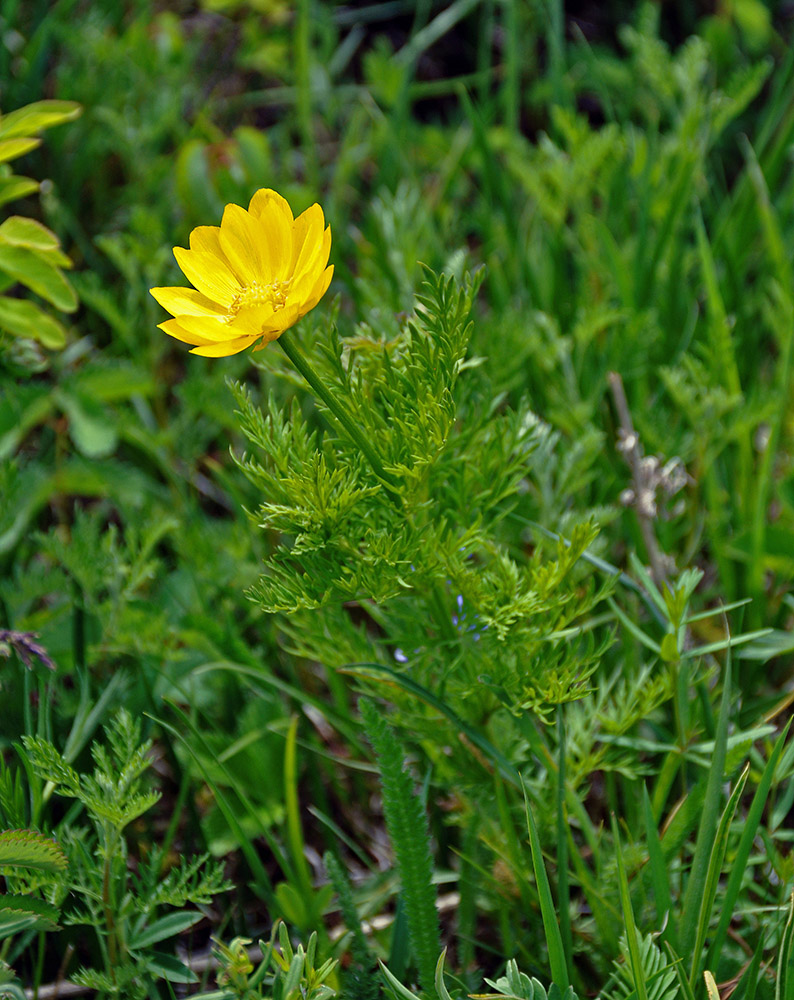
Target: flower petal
[[186, 302], [253, 318], [269, 336], [211, 330], [312, 269], [320, 288], [206, 238], [224, 350], [282, 320], [313, 258], [175, 329], [209, 274], [306, 232], [246, 245], [275, 216], [266, 201]]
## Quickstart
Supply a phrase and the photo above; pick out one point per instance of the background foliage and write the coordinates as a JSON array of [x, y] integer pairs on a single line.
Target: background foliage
[[571, 622]]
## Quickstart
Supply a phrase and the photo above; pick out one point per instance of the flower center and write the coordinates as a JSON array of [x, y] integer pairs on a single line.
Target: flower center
[[257, 294]]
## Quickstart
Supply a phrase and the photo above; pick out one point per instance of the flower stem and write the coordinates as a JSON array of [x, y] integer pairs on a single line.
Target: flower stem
[[354, 432]]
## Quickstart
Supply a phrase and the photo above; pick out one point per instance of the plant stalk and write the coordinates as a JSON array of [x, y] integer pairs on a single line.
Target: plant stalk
[[354, 432]]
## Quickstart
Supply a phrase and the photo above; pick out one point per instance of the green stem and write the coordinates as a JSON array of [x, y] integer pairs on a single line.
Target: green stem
[[354, 432], [107, 902]]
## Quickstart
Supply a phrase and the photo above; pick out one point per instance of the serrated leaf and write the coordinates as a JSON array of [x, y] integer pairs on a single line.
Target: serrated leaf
[[44, 914], [37, 116], [22, 232], [23, 318], [50, 765], [13, 923], [10, 149], [30, 269], [31, 849]]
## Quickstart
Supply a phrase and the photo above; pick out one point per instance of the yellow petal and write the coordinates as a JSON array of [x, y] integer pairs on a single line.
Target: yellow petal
[[267, 202], [211, 330], [246, 245], [175, 329], [307, 229], [282, 320], [314, 255], [186, 302], [275, 216], [320, 288], [268, 337], [224, 350], [206, 238], [312, 267], [209, 274], [252, 319]]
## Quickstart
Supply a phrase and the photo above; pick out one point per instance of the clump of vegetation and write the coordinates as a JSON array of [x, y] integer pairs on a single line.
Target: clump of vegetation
[[441, 646]]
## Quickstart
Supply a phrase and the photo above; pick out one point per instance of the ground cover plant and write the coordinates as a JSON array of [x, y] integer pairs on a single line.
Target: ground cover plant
[[442, 646]]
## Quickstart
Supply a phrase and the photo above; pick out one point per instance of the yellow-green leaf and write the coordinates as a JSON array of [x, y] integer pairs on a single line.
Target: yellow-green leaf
[[30, 269], [10, 149], [37, 116], [25, 319], [23, 232], [669, 648], [90, 426], [14, 187]]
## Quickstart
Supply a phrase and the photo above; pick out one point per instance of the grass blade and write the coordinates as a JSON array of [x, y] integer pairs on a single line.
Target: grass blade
[[563, 893], [716, 859], [784, 985], [745, 846], [708, 824], [628, 918], [559, 969], [659, 879]]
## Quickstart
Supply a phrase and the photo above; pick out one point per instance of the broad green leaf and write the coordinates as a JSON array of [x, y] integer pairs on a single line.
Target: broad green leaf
[[30, 269], [23, 318], [22, 232], [10, 149], [170, 968], [166, 927], [110, 384], [37, 116], [13, 187], [90, 425]]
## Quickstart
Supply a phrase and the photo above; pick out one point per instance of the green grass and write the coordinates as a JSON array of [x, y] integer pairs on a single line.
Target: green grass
[[600, 749]]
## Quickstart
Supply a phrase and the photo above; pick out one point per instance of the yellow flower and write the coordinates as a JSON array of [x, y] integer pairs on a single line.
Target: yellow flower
[[254, 275]]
